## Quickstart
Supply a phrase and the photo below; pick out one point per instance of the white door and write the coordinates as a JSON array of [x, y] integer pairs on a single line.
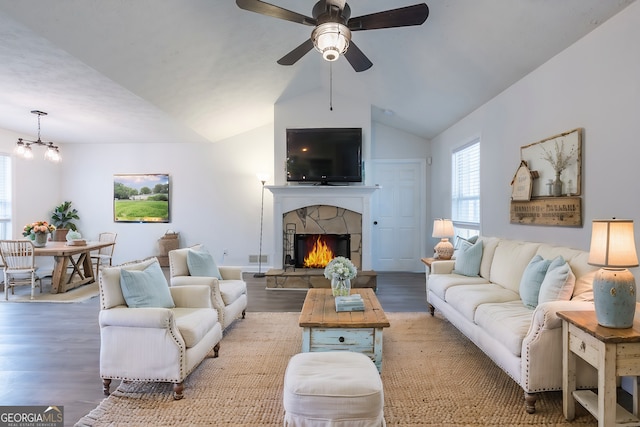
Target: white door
[[399, 215]]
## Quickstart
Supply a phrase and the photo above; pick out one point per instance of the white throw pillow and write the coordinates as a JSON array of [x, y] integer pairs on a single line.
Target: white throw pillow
[[558, 283]]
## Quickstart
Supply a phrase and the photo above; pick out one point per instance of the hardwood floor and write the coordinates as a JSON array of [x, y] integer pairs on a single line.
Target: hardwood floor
[[49, 353]]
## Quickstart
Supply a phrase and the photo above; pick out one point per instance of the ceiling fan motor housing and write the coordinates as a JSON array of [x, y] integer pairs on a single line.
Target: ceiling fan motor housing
[[324, 11]]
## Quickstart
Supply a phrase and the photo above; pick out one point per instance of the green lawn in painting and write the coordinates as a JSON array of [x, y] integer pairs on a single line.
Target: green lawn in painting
[[141, 210]]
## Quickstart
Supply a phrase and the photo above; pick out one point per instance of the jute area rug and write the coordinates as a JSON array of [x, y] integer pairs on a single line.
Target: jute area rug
[[23, 293], [432, 375]]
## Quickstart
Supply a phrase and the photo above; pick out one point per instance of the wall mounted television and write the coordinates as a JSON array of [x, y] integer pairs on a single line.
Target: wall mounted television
[[324, 155]]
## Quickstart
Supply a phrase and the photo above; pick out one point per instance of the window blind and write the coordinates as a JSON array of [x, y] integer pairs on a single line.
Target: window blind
[[465, 192], [5, 196]]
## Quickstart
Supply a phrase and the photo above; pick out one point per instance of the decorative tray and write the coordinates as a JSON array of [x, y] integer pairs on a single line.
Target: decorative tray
[[77, 242]]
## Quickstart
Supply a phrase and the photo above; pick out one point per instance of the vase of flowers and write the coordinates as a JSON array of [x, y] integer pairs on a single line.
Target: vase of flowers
[[340, 271], [38, 232]]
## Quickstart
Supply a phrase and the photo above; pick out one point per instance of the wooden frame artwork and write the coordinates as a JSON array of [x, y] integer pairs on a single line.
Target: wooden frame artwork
[[563, 151], [141, 198]]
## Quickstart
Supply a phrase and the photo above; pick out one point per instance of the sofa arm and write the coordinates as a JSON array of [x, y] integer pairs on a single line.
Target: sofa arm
[[442, 266], [148, 317], [191, 296], [541, 364], [230, 273], [545, 315]]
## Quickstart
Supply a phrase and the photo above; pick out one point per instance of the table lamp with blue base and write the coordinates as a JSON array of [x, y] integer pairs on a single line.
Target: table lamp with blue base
[[614, 287]]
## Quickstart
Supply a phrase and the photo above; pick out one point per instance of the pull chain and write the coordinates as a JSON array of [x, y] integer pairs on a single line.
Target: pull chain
[[330, 86]]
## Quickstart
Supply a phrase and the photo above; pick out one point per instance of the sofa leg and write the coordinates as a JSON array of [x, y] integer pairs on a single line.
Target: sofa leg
[[106, 385], [243, 313], [178, 388], [530, 402], [216, 348], [432, 309]]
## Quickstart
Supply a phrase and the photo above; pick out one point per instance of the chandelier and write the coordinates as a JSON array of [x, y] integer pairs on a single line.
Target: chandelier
[[23, 146]]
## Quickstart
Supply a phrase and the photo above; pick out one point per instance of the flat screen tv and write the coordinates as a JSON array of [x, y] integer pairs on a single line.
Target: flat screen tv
[[324, 155]]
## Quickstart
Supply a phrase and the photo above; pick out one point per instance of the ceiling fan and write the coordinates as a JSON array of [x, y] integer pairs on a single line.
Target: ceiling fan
[[333, 26]]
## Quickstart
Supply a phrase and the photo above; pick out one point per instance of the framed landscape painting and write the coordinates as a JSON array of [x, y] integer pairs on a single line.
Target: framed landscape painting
[[141, 198]]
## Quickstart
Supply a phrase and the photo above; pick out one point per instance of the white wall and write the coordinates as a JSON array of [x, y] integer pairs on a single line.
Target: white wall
[[594, 85], [215, 194], [392, 143]]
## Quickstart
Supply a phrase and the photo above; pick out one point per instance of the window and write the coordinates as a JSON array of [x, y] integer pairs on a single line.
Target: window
[[465, 191], [5, 196]]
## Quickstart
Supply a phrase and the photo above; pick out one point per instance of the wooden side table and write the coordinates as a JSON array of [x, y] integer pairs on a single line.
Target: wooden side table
[[428, 261], [613, 352]]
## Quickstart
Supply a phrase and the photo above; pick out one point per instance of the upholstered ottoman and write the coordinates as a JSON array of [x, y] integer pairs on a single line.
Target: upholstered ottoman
[[335, 388]]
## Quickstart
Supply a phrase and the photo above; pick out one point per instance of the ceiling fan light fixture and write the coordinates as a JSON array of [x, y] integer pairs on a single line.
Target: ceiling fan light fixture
[[331, 39]]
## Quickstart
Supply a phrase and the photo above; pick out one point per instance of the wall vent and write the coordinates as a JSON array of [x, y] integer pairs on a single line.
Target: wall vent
[[253, 259]]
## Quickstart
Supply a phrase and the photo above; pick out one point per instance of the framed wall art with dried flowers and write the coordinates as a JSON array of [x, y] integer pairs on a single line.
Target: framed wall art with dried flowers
[[558, 161]]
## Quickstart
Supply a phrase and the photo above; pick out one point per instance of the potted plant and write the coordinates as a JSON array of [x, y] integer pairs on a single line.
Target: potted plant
[[62, 218]]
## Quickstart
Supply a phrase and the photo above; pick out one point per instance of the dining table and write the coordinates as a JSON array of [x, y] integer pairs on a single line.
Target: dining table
[[72, 263]]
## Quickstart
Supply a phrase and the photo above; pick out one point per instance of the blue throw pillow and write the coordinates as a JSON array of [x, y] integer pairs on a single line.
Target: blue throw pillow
[[558, 283], [532, 280], [146, 288], [468, 260], [462, 243], [201, 263]]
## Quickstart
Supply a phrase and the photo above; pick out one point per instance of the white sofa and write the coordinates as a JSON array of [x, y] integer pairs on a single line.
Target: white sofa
[[524, 342], [228, 295]]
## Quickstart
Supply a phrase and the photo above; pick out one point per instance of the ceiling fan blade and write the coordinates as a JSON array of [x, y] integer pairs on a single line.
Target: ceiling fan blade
[[297, 53], [274, 11], [402, 17], [357, 59]]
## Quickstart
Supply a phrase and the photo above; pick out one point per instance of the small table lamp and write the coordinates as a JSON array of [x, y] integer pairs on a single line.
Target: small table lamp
[[614, 288], [443, 229]]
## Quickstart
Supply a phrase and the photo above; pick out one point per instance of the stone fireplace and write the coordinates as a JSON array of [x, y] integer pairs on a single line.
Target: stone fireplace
[[343, 212]]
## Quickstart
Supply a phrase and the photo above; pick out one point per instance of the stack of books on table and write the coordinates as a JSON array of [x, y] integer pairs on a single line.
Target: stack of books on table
[[350, 303]]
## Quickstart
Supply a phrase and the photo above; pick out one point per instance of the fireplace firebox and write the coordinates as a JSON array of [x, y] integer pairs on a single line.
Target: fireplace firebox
[[316, 250]]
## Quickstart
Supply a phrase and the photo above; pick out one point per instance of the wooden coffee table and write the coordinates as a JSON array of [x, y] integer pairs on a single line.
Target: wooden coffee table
[[324, 329]]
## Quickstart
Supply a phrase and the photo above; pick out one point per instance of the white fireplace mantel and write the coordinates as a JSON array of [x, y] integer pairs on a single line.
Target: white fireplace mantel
[[353, 197]]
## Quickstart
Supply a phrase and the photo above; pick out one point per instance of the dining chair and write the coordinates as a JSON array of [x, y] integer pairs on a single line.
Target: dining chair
[[104, 256], [19, 266]]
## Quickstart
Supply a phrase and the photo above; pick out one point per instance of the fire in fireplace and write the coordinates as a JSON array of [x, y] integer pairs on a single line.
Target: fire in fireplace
[[316, 250]]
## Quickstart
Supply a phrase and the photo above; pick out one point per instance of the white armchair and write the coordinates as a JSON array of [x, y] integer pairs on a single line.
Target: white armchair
[[151, 343], [228, 295]]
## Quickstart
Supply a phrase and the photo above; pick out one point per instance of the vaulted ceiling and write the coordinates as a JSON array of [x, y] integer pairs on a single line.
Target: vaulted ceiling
[[205, 70]]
